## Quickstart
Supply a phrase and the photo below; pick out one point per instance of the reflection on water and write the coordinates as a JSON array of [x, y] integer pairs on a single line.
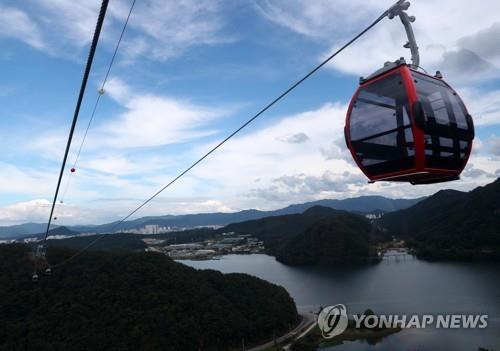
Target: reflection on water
[[403, 286]]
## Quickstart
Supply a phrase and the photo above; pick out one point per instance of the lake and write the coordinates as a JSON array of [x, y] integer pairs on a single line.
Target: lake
[[407, 285]]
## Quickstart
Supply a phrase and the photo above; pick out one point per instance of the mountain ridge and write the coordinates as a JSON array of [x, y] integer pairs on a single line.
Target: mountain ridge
[[451, 224], [319, 235], [360, 204]]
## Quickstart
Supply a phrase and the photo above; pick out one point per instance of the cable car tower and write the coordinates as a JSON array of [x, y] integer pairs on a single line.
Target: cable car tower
[[405, 125]]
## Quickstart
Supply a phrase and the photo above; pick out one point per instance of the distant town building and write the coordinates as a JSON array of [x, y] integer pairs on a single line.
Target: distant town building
[[151, 229], [208, 249]]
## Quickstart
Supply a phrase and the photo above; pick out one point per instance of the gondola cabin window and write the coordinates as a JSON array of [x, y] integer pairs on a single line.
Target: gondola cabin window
[[380, 127], [447, 132]]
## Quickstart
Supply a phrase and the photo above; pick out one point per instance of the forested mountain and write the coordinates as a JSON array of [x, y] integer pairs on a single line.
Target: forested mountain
[[452, 224], [141, 301], [340, 239], [363, 204], [320, 235]]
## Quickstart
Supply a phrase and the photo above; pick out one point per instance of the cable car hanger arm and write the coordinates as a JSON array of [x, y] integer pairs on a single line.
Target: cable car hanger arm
[[398, 9]]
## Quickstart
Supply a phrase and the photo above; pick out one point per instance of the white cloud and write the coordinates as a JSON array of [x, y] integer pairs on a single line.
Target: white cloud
[[466, 65], [102, 211], [15, 23], [120, 164], [259, 166], [297, 138], [38, 211], [154, 120], [475, 173], [158, 30], [49, 145], [319, 19], [56, 27], [302, 187], [484, 42], [165, 29], [232, 171], [480, 168], [148, 120], [441, 40], [71, 22], [484, 106], [17, 180], [29, 211]]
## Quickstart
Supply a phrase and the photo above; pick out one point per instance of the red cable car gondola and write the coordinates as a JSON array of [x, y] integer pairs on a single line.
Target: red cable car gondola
[[404, 125]]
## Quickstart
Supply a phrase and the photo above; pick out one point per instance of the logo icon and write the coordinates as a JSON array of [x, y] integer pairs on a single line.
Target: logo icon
[[332, 321]]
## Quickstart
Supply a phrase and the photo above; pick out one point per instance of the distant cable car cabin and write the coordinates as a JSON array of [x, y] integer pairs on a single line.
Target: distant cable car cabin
[[405, 125]]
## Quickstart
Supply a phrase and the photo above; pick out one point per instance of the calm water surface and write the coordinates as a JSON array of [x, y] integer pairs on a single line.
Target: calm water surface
[[405, 286]]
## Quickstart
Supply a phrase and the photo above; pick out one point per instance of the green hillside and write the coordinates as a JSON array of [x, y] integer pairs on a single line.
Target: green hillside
[[134, 301], [341, 239], [452, 224], [320, 235]]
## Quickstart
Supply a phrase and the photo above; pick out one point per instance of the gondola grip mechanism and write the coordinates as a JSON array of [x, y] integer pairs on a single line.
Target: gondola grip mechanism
[[398, 10]]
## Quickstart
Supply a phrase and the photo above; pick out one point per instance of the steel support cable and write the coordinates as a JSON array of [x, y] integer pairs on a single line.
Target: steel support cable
[[264, 109], [90, 59], [100, 93]]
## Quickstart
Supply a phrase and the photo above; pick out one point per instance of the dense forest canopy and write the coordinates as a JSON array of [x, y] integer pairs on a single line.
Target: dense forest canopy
[[320, 235], [337, 240], [452, 224], [134, 301]]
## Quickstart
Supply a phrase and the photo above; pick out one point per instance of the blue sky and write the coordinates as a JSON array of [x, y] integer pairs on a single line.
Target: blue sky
[[189, 72]]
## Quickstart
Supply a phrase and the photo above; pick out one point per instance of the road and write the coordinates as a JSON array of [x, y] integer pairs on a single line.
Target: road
[[306, 324]]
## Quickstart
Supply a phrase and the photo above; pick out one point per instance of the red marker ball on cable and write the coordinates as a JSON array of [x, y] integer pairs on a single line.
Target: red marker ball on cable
[[72, 170]]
